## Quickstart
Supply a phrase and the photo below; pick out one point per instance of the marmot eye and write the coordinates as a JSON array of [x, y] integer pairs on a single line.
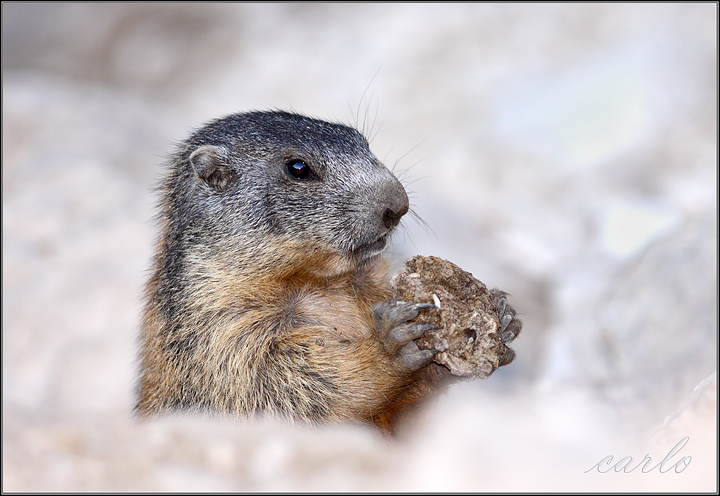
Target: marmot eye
[[300, 170]]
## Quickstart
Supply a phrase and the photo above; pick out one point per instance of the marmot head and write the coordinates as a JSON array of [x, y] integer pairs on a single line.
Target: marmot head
[[282, 176]]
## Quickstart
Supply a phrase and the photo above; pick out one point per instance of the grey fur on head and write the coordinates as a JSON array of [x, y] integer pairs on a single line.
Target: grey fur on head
[[237, 174]]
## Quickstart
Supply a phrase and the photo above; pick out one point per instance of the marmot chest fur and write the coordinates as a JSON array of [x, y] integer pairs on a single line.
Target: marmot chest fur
[[268, 292]]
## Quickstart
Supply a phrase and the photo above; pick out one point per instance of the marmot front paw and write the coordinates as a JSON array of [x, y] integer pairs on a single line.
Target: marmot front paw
[[510, 326], [397, 335]]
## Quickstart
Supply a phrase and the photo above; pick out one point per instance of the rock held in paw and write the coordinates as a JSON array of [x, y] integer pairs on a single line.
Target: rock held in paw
[[468, 340]]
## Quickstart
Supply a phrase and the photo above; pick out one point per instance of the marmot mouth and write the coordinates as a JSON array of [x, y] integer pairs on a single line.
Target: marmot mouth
[[369, 250]]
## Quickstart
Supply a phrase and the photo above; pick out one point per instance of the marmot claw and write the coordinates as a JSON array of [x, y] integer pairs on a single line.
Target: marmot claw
[[398, 336], [510, 326]]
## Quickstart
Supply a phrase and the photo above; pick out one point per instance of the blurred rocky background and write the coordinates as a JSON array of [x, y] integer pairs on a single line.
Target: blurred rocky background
[[566, 153]]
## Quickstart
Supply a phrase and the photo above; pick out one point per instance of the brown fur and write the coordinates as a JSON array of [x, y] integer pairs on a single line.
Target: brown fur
[[308, 323]]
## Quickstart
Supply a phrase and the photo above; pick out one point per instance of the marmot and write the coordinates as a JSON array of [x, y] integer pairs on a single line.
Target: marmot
[[269, 293]]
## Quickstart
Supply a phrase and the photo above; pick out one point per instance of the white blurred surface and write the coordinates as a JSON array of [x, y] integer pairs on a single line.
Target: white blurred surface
[[564, 153]]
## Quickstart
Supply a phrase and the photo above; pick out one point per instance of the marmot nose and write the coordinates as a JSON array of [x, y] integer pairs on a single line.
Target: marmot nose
[[397, 205], [391, 217]]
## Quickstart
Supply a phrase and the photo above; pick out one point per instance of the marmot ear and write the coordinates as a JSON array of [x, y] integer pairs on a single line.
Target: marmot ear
[[211, 165]]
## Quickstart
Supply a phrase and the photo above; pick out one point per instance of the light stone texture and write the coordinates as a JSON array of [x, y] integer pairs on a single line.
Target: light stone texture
[[565, 153]]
